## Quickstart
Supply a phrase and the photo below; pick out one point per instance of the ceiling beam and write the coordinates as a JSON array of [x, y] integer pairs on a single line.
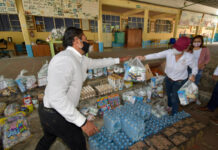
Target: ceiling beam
[[134, 5], [132, 12], [161, 16]]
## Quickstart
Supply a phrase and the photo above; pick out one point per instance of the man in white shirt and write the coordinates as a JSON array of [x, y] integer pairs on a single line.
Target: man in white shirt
[[66, 72], [177, 62]]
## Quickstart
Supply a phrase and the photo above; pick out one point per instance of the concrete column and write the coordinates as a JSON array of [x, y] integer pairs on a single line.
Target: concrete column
[[100, 36], [24, 28], [176, 24], [213, 34], [144, 34]]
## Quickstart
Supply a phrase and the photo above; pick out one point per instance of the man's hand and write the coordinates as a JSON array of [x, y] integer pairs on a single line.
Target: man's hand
[[122, 59], [142, 58], [89, 128], [192, 78], [215, 78]]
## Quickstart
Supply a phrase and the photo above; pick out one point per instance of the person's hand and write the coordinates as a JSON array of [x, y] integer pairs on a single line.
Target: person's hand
[[89, 128], [140, 57], [192, 78], [201, 66], [126, 58], [215, 78]]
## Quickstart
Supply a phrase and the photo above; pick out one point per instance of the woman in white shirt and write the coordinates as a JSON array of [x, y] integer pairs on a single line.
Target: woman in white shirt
[[177, 62], [201, 55]]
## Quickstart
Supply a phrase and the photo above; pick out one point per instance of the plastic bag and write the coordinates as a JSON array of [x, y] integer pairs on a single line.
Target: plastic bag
[[25, 82], [149, 93], [11, 109], [129, 97], [134, 71], [188, 93], [42, 75], [157, 80], [3, 83], [7, 86], [15, 130]]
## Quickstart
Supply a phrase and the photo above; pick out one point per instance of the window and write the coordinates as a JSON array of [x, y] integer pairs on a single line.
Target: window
[[135, 23], [15, 22], [68, 22], [4, 23], [93, 25], [40, 27], [9, 23], [46, 24], [59, 22], [163, 26], [76, 23], [49, 23], [110, 22], [72, 22]]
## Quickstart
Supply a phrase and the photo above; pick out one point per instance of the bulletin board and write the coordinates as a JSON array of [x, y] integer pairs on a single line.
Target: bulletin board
[[8, 6], [209, 21], [85, 9], [190, 18]]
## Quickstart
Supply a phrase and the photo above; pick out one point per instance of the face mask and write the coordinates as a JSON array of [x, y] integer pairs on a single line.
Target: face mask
[[175, 52], [196, 44], [85, 47], [80, 45]]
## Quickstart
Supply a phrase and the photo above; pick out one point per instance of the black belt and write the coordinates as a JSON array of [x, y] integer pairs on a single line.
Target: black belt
[[50, 110]]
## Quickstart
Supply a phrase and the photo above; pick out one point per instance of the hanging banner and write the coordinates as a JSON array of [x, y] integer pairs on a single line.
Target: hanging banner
[[8, 6], [85, 9], [190, 18], [209, 21]]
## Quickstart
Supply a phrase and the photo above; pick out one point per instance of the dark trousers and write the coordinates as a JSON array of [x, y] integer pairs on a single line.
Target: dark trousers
[[54, 125], [172, 88], [213, 103], [197, 77]]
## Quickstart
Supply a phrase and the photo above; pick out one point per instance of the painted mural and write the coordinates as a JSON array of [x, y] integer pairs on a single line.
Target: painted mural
[[85, 9], [8, 6]]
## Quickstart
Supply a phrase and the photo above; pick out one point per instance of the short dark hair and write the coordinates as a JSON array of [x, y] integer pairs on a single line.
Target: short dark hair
[[69, 35]]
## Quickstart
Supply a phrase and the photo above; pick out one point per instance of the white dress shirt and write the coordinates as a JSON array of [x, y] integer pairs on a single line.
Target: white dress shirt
[[66, 73], [197, 54], [216, 71], [176, 70]]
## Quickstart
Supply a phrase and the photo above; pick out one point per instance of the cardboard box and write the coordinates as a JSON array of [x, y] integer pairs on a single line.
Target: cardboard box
[[149, 74]]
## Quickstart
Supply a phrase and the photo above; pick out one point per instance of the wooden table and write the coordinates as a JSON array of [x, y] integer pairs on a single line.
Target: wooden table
[[10, 47]]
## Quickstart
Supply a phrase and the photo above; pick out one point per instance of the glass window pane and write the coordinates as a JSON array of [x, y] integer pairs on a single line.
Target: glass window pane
[[76, 21], [59, 22], [13, 17], [77, 25], [15, 23], [4, 23], [113, 18], [92, 22], [139, 19], [68, 22], [49, 23], [38, 18], [107, 17]]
